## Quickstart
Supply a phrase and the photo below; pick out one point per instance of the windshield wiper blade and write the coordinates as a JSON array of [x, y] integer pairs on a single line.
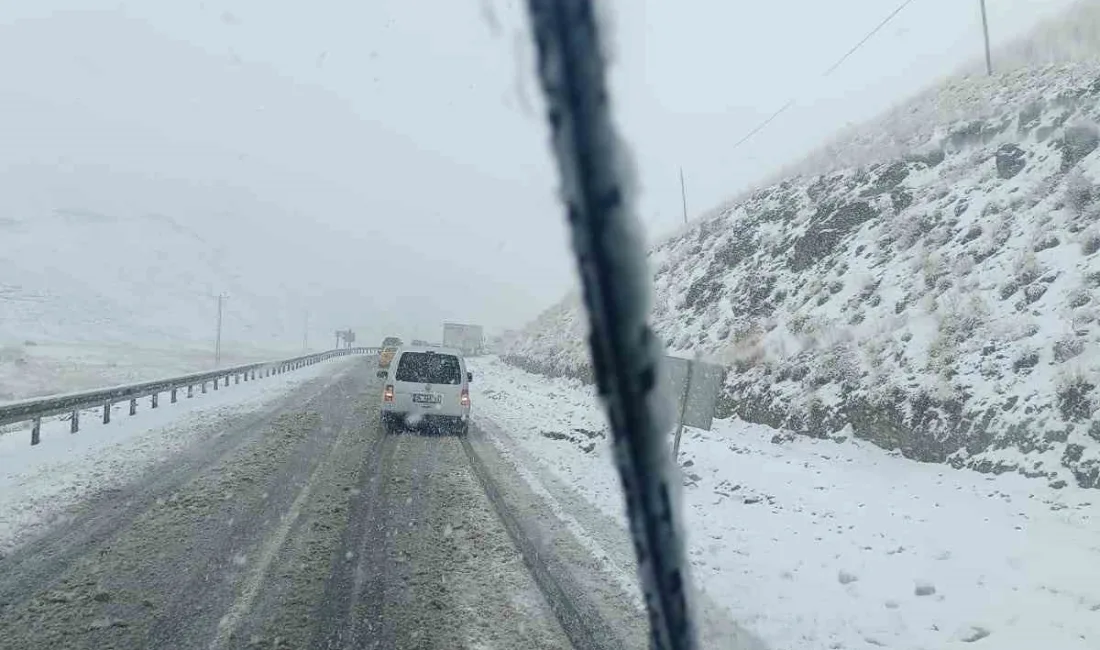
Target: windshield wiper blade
[[611, 259]]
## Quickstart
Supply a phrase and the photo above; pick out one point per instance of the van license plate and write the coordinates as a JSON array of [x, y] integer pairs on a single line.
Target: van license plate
[[427, 398]]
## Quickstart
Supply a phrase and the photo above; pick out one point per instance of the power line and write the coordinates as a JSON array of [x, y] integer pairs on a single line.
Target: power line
[[760, 127], [866, 38]]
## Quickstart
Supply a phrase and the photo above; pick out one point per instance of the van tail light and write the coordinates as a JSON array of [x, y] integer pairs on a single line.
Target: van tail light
[[387, 395], [465, 399]]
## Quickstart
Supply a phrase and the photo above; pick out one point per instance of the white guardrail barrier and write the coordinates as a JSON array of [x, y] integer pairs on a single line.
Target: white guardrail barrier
[[73, 403]]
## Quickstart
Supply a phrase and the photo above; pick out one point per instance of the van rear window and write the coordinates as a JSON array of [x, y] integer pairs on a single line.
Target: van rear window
[[429, 368]]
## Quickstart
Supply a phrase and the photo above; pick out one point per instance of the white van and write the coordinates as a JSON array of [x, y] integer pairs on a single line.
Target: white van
[[426, 386]]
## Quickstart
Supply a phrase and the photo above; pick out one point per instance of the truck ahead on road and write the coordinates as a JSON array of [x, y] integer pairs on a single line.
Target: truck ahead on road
[[389, 348], [470, 339]]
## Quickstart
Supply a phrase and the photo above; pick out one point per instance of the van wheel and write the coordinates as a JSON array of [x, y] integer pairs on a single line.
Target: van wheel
[[462, 428], [388, 425]]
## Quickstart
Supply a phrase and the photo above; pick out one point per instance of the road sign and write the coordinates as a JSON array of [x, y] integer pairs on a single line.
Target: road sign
[[692, 388]]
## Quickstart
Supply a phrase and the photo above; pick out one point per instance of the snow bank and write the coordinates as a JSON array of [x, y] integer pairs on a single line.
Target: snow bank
[[34, 369], [836, 543], [39, 483]]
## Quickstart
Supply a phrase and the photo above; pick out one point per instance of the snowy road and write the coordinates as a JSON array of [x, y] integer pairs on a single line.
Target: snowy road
[[297, 524]]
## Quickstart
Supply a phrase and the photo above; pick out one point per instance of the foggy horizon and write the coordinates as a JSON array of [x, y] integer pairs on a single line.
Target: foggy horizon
[[383, 144]]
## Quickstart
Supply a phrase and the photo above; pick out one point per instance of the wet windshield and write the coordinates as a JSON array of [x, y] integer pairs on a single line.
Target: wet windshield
[[550, 324]]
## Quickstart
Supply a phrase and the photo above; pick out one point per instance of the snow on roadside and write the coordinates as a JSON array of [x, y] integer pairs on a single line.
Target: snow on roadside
[[39, 483], [836, 543], [626, 579], [35, 369]]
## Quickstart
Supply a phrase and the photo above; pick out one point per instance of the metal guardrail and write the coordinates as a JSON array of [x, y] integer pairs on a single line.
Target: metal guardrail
[[73, 403]]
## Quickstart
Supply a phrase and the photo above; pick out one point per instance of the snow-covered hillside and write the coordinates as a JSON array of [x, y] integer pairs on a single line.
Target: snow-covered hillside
[[942, 301], [134, 189], [78, 270], [1071, 36]]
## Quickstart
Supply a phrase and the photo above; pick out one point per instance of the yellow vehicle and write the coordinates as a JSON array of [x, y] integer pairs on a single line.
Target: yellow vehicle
[[389, 348]]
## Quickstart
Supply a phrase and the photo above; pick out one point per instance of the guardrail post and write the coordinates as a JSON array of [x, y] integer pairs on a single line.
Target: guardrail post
[[236, 379], [74, 422], [153, 401], [36, 431], [253, 375], [133, 406], [190, 391], [204, 388], [227, 380], [173, 397], [217, 380], [106, 412]]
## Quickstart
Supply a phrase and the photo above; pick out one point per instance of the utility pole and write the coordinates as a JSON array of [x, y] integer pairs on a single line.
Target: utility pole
[[985, 31], [218, 339], [305, 333], [683, 195]]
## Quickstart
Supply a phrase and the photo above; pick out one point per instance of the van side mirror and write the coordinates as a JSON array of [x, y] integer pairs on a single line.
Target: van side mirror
[[469, 377], [382, 374]]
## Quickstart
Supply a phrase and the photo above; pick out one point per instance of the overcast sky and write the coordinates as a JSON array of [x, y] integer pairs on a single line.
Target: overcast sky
[[414, 127]]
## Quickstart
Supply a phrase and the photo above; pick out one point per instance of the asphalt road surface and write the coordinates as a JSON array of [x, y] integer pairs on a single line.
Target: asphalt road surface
[[301, 526]]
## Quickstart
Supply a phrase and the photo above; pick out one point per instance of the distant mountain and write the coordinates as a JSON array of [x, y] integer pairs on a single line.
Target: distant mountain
[[141, 174], [932, 287], [76, 273]]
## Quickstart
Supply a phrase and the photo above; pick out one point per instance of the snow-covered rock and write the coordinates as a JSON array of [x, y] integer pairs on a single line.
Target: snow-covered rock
[[941, 301]]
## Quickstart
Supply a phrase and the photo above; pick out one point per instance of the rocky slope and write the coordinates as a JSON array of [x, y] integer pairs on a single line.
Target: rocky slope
[[941, 301]]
